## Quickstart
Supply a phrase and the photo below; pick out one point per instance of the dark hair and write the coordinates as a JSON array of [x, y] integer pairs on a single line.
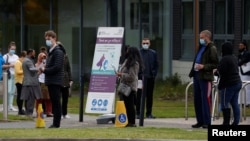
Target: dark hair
[[12, 43], [23, 53], [30, 51], [123, 53], [244, 42], [133, 56], [50, 33]]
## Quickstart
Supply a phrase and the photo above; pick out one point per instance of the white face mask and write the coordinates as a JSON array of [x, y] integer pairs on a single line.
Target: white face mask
[[44, 61], [202, 42], [145, 46], [48, 43]]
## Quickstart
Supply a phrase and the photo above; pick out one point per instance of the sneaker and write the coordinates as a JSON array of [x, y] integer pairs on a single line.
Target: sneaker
[[130, 125], [65, 117], [22, 112], [53, 126], [150, 117], [49, 115], [13, 109]]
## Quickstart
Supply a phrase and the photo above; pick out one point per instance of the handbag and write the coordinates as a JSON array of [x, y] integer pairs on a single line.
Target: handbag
[[124, 89]]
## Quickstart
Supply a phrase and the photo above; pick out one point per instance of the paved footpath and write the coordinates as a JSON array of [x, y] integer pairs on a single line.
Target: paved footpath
[[91, 121]]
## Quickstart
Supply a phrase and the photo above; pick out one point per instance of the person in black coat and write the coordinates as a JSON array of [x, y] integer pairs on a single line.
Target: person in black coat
[[148, 74], [54, 75], [229, 84]]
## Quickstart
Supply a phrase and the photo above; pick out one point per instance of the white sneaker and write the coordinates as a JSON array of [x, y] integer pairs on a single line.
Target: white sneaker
[[65, 117], [13, 109]]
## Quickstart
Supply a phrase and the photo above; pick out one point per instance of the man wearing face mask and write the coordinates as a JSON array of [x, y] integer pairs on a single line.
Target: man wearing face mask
[[205, 61], [54, 75], [10, 59], [149, 57]]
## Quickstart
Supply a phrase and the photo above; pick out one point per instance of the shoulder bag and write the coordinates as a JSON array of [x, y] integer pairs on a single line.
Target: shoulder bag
[[124, 89]]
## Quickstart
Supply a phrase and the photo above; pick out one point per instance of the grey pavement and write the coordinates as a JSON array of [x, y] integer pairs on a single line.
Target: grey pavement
[[90, 121]]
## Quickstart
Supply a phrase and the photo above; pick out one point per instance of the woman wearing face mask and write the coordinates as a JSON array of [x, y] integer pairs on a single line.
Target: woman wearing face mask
[[41, 62], [10, 59]]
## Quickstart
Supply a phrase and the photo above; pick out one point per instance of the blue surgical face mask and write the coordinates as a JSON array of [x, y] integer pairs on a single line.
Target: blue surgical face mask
[[145, 46], [12, 51], [48, 43], [202, 42]]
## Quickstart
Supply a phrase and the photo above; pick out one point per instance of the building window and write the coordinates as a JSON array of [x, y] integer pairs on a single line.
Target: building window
[[151, 18], [246, 17], [188, 45], [187, 17], [224, 17], [224, 22]]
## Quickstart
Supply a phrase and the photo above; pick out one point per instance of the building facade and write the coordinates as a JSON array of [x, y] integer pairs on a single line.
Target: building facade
[[170, 24]]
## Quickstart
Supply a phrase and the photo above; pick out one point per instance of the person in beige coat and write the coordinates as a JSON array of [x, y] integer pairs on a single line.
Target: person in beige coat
[[128, 74]]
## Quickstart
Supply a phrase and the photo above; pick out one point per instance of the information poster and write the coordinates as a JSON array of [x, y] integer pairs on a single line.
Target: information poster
[[101, 93]]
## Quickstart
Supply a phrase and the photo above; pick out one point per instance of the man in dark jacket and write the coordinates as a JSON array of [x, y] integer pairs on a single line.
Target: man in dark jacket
[[205, 61], [54, 75], [244, 65], [149, 57]]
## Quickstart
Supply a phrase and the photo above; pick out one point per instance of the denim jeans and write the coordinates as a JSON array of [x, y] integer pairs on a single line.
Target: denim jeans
[[229, 99]]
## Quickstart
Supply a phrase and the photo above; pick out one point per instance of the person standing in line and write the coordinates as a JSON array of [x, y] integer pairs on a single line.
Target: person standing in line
[[10, 59], [43, 49], [41, 62], [54, 75], [1, 65], [19, 82], [243, 59], [31, 90], [67, 82], [128, 74], [202, 71], [148, 76], [229, 84], [1, 72]]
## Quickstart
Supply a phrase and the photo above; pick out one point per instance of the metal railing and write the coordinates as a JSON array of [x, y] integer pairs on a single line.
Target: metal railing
[[215, 100]]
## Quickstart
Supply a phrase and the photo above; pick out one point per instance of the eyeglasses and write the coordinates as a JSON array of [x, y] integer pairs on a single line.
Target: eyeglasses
[[145, 43]]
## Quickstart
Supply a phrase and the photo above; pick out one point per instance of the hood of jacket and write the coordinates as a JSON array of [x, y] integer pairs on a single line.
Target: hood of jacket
[[227, 49]]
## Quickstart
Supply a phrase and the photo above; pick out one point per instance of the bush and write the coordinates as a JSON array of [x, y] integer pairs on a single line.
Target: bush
[[171, 88]]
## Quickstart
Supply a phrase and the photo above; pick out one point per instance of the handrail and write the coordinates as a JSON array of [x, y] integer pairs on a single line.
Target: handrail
[[186, 101], [215, 98], [243, 92]]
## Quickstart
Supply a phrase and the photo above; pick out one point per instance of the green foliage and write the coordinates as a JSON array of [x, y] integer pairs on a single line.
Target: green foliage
[[171, 88]]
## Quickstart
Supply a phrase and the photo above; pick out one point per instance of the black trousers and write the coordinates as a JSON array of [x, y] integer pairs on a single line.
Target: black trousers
[[65, 97], [130, 106], [55, 97], [19, 101], [148, 89]]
